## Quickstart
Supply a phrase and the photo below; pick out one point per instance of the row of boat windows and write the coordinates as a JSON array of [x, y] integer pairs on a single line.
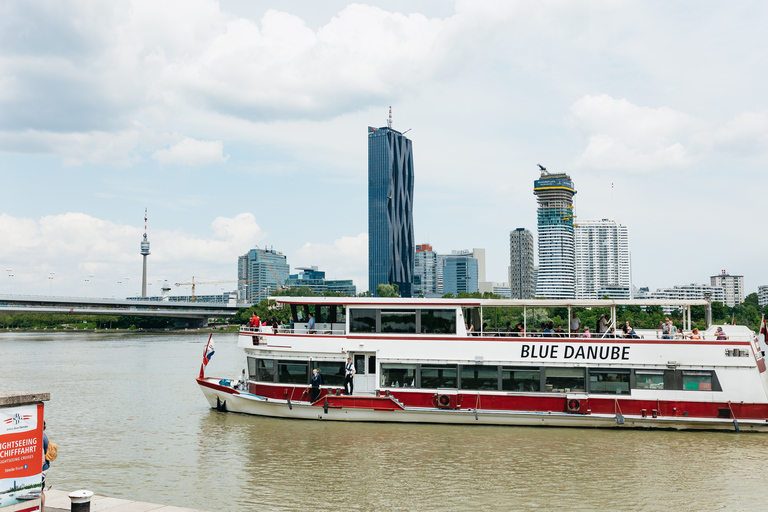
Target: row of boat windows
[[489, 378], [408, 321]]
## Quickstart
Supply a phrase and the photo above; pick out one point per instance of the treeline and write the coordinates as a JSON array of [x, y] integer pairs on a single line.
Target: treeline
[[63, 321]]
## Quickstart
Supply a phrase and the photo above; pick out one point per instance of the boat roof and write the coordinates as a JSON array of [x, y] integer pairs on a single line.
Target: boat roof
[[526, 303]]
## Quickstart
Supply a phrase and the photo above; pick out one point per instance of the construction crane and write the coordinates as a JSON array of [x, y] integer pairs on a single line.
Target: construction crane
[[193, 283]]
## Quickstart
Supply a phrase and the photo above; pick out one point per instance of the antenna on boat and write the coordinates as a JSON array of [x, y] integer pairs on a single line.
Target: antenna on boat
[[389, 121]]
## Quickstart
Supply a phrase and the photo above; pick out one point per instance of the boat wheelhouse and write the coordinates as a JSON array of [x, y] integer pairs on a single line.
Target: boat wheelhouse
[[422, 360]]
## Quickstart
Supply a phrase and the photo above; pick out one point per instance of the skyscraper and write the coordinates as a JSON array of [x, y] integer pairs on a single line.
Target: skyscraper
[[425, 272], [602, 260], [259, 272], [459, 273], [557, 265], [391, 247], [521, 279]]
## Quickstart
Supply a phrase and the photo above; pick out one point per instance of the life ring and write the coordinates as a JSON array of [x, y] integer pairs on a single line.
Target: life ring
[[574, 405]]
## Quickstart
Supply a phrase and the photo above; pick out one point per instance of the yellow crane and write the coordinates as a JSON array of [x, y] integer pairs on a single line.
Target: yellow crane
[[193, 283]]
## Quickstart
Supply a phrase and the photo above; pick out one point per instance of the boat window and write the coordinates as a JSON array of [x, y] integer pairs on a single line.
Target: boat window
[[395, 375], [331, 371], [292, 372], [398, 321], [520, 379], [252, 363], [649, 380], [362, 320], [701, 381], [564, 380], [479, 377], [438, 376], [438, 321], [609, 382], [266, 370]]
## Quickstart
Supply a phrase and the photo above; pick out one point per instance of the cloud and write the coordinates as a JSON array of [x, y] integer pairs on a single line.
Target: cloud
[[624, 136], [190, 152], [345, 258], [74, 245]]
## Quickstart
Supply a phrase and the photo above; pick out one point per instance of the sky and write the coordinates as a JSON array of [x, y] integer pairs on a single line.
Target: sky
[[239, 123]]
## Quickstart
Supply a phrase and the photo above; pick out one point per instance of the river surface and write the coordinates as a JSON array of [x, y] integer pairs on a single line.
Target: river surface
[[131, 423]]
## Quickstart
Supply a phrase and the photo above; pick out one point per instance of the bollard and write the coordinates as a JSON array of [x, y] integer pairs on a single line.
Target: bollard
[[81, 500]]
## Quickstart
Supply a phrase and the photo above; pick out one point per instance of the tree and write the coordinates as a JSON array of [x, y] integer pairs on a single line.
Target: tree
[[387, 290]]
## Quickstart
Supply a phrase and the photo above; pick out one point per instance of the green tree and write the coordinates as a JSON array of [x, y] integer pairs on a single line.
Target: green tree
[[387, 290]]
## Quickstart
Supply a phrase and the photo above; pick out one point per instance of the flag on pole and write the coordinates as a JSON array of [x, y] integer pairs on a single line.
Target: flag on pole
[[763, 336], [208, 354]]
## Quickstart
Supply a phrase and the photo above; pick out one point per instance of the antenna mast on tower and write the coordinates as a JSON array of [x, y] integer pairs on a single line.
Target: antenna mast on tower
[[389, 121], [144, 253]]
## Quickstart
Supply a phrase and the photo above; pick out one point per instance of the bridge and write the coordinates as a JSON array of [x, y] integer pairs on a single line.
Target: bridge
[[198, 312]]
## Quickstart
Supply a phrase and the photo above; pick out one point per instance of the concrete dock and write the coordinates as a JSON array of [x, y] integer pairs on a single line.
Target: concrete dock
[[58, 501]]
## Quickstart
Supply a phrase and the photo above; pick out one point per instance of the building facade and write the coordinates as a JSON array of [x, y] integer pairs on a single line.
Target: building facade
[[522, 282], [425, 282], [733, 286], [684, 292], [459, 274], [259, 272], [557, 261], [602, 259], [315, 280], [391, 247], [762, 295]]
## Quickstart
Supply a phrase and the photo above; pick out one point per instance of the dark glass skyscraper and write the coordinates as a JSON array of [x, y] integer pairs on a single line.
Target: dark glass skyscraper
[[391, 246]]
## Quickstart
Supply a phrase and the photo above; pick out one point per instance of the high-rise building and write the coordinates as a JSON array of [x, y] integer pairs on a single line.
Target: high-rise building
[[602, 260], [315, 280], [733, 286], [259, 272], [521, 278], [459, 273], [391, 244], [762, 295], [557, 262], [425, 272]]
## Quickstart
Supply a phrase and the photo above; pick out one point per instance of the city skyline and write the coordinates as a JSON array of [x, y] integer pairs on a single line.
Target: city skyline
[[241, 124]]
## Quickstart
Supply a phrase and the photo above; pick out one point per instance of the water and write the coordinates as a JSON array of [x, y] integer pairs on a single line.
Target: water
[[131, 423]]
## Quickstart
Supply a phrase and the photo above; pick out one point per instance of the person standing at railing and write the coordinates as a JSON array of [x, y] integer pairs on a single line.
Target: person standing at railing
[[349, 373], [317, 381], [575, 325], [311, 324]]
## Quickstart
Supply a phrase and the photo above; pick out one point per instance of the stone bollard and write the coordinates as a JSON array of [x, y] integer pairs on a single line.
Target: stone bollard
[[81, 500]]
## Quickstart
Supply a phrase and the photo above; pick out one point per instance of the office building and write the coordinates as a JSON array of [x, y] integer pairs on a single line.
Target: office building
[[314, 279], [391, 247], [557, 265], [683, 292], [762, 295], [602, 259], [425, 275], [733, 286], [522, 283], [259, 272], [459, 273]]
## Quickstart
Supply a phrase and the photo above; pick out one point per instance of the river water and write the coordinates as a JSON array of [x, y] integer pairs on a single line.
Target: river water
[[131, 423]]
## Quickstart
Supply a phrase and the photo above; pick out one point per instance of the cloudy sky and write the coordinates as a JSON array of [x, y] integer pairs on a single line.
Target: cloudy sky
[[238, 123]]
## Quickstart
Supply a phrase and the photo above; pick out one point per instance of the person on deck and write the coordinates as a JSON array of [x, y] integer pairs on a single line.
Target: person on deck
[[720, 334], [695, 334], [602, 324], [349, 372], [311, 324], [317, 381], [586, 333], [559, 332], [575, 324]]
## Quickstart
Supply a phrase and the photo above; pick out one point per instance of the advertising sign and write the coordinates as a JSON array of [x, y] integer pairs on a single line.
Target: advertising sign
[[21, 457]]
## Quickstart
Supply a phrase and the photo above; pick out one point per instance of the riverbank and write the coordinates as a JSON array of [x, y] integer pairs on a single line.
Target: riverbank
[[40, 330], [58, 501]]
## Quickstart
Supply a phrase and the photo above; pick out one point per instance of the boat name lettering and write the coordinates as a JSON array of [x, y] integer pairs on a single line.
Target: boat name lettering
[[604, 352]]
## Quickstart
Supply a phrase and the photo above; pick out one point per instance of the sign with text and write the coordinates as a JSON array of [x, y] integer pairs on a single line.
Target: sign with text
[[21, 455]]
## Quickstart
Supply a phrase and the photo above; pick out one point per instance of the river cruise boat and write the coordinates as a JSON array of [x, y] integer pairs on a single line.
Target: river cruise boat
[[434, 361]]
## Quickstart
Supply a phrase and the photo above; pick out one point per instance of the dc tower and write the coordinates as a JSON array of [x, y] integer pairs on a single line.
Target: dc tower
[[144, 252]]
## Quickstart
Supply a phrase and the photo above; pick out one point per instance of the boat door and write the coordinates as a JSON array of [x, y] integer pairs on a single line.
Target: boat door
[[365, 372]]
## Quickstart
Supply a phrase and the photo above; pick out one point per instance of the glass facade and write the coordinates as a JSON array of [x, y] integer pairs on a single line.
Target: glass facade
[[257, 272], [556, 277], [459, 274], [521, 278], [391, 246]]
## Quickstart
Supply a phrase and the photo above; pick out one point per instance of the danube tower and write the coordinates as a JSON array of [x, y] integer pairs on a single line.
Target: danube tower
[[145, 253], [557, 256], [391, 247]]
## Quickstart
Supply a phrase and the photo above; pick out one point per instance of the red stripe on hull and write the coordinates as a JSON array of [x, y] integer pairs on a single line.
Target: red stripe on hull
[[530, 403]]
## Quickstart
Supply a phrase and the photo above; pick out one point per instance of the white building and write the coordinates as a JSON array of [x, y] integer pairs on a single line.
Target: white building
[[762, 294], [557, 267], [501, 289], [685, 292], [602, 259], [733, 286], [522, 282], [425, 274]]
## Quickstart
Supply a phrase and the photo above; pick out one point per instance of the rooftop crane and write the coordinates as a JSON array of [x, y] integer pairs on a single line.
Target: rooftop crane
[[193, 283]]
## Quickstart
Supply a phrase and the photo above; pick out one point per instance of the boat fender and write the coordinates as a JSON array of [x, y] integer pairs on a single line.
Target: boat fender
[[221, 406], [736, 424], [290, 406], [619, 418], [475, 414], [325, 406]]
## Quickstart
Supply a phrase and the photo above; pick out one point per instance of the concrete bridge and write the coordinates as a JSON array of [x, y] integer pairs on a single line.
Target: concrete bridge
[[197, 312]]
